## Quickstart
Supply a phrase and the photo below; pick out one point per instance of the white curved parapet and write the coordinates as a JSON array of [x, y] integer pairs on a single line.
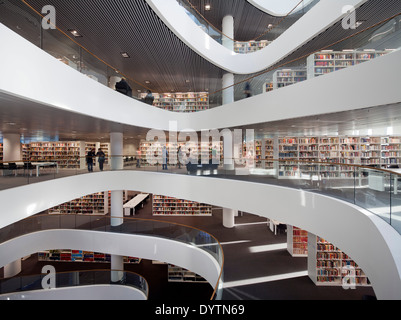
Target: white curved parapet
[[29, 69], [322, 16], [365, 237], [278, 8], [131, 245], [86, 293]]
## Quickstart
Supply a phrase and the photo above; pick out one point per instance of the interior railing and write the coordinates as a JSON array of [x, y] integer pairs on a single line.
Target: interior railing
[[161, 229], [73, 279], [272, 31], [374, 37], [373, 188]]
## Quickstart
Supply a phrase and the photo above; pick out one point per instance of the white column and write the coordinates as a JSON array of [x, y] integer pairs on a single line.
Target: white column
[[12, 148], [228, 32], [228, 94], [116, 198], [12, 269], [228, 78], [229, 218], [117, 267]]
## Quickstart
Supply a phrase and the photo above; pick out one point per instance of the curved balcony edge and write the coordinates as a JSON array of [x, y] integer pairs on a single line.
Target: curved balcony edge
[[318, 19], [368, 239], [133, 245]]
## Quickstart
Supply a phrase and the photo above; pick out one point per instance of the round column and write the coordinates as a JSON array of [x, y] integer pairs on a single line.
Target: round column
[[228, 32], [116, 199], [12, 148], [229, 218]]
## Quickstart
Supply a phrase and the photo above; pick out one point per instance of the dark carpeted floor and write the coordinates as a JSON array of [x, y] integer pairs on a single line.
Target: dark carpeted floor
[[248, 275]]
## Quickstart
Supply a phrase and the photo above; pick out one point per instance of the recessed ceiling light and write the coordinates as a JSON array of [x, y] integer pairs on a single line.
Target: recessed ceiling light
[[125, 55], [187, 81], [207, 7], [75, 33], [147, 81]]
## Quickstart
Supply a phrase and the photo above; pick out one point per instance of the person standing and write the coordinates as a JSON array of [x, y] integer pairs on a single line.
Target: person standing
[[179, 157], [165, 156], [89, 159], [101, 158], [149, 98], [124, 88]]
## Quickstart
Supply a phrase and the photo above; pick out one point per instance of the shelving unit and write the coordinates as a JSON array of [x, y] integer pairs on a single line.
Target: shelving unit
[[68, 155], [327, 264], [178, 274], [92, 204], [1, 152], [80, 256], [181, 102], [328, 61], [378, 152], [286, 77], [390, 151], [267, 87], [250, 46], [168, 206], [297, 241], [288, 150]]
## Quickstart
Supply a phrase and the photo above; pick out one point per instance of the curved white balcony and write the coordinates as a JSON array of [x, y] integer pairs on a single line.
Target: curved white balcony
[[363, 235], [318, 19], [29, 69]]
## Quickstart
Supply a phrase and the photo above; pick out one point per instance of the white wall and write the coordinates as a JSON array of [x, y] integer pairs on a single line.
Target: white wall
[[145, 247], [86, 293], [318, 19], [363, 236], [312, 97]]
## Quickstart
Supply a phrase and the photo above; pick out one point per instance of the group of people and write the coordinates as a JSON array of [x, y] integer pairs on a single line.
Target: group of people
[[124, 88], [92, 155]]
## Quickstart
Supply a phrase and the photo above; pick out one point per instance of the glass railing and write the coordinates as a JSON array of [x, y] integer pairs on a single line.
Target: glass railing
[[72, 279], [154, 228], [376, 189], [260, 41], [369, 40]]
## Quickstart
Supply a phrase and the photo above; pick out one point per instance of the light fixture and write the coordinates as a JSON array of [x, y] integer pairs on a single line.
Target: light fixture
[[75, 33], [359, 23], [147, 82], [207, 7], [125, 55]]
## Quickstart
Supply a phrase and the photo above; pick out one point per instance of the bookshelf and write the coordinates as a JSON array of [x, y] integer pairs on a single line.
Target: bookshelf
[[168, 206], [288, 150], [267, 87], [328, 61], [297, 241], [250, 46], [68, 155], [92, 204], [178, 274], [66, 255], [327, 264], [286, 77], [390, 151], [181, 102], [1, 152], [373, 151]]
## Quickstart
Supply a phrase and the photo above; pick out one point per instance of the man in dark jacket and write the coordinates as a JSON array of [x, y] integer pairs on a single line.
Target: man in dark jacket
[[124, 88], [149, 98]]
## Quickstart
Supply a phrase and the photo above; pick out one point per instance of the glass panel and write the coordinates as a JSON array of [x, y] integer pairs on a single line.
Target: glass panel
[[62, 48], [372, 192], [22, 20], [94, 68], [396, 202]]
